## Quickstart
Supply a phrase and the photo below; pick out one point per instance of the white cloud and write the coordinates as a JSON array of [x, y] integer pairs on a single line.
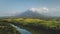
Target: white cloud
[[54, 9], [39, 10]]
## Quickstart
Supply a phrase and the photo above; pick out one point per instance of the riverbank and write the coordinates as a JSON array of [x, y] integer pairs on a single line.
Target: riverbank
[[41, 30], [6, 28], [32, 30], [23, 31]]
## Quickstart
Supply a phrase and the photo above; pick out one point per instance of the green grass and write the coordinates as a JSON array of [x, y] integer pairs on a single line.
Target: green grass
[[51, 25], [37, 22], [5, 28]]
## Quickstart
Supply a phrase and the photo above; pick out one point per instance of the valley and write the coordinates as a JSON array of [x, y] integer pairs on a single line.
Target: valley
[[36, 26], [29, 16]]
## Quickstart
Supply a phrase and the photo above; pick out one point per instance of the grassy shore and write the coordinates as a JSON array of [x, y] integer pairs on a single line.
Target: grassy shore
[[6, 28]]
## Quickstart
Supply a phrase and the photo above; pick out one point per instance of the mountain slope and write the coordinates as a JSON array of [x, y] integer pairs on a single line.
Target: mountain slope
[[30, 14]]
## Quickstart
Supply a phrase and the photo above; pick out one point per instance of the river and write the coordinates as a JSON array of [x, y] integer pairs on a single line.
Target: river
[[23, 31]]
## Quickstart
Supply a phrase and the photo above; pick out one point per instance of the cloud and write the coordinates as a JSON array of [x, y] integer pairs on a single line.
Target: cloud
[[39, 10], [54, 9]]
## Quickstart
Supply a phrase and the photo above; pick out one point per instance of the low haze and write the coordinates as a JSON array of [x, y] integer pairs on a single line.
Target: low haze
[[12, 7]]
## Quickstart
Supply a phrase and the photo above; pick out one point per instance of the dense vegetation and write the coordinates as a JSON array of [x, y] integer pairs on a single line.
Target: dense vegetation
[[51, 26], [6, 28]]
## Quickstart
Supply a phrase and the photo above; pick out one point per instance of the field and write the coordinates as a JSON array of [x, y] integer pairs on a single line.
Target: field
[[50, 26]]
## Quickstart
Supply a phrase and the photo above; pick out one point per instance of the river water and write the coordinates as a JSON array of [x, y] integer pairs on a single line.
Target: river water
[[23, 31]]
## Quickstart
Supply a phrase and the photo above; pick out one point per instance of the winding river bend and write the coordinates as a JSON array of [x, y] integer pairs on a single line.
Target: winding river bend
[[23, 31]]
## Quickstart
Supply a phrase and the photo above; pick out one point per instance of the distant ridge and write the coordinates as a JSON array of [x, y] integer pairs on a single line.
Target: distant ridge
[[30, 14]]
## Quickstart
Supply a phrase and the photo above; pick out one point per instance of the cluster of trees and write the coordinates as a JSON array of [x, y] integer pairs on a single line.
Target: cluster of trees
[[49, 25], [6, 28]]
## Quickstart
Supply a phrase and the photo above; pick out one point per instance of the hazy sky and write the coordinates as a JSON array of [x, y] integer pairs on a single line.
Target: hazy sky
[[11, 7]]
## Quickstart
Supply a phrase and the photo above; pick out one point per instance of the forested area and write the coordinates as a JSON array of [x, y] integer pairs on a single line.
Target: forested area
[[6, 28], [48, 26]]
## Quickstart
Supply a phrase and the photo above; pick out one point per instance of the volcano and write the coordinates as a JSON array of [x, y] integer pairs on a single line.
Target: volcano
[[30, 14]]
